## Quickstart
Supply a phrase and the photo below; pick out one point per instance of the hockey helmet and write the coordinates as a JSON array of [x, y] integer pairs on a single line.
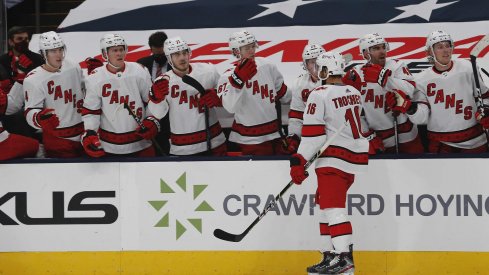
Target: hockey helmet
[[49, 41], [312, 51], [111, 40], [174, 45], [433, 38], [240, 39], [437, 36], [371, 40], [329, 64]]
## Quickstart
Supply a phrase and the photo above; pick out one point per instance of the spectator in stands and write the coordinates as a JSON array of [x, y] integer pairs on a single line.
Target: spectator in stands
[[19, 60], [157, 64], [17, 63]]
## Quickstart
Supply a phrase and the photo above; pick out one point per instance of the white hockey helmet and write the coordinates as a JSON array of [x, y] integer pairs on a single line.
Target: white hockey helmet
[[49, 41], [370, 40], [332, 63], [433, 38], [174, 45], [312, 51], [240, 39], [437, 36], [111, 40]]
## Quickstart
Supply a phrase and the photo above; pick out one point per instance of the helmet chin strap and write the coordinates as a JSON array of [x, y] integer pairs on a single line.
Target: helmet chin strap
[[113, 66], [369, 57], [56, 69], [53, 67], [443, 65], [438, 62]]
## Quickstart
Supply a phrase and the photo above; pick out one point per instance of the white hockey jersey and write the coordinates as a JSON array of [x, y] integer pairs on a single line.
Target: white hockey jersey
[[300, 91], [187, 119], [327, 109], [15, 102], [103, 107], [62, 91], [253, 106], [378, 115], [448, 105]]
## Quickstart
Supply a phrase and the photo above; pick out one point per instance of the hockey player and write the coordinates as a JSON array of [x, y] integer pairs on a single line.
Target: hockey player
[[12, 145], [304, 84], [108, 125], [186, 106], [374, 80], [53, 99], [447, 101], [327, 109], [250, 91]]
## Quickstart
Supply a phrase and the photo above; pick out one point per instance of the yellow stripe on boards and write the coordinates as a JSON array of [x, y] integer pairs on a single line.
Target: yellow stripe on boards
[[235, 263]]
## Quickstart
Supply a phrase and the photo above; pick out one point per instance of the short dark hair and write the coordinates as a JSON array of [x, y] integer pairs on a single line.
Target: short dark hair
[[157, 39], [16, 30]]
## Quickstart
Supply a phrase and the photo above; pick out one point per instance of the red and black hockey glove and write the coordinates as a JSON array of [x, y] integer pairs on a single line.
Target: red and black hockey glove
[[92, 64], [47, 119], [375, 73], [297, 171], [24, 63], [376, 144], [160, 89], [353, 79], [483, 117], [210, 99], [398, 101], [151, 127], [91, 144], [6, 85], [293, 142], [19, 77], [3, 102], [242, 73]]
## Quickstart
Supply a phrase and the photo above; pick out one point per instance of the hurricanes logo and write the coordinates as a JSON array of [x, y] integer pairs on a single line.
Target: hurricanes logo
[[181, 198]]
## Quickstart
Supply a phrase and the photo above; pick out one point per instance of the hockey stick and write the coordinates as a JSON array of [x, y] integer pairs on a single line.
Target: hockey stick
[[187, 79], [226, 236], [481, 45], [283, 138], [396, 133], [485, 72], [140, 123]]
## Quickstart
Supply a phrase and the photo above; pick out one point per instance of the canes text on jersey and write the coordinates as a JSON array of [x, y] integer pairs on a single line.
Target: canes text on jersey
[[449, 100], [184, 98], [57, 92], [116, 99]]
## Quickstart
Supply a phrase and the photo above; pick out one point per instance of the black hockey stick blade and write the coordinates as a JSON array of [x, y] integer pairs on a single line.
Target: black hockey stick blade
[[225, 236], [194, 83]]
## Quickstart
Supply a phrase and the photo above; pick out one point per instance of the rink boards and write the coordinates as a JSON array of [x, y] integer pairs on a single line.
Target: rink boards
[[158, 217]]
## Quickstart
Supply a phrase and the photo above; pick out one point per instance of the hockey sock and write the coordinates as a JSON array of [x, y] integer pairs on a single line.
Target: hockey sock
[[339, 228], [325, 243]]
